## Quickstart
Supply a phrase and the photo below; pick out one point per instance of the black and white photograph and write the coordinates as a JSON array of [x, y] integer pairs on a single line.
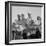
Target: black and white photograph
[[24, 22]]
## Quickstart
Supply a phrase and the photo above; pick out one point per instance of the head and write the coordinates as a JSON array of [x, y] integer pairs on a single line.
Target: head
[[22, 15], [38, 18], [18, 17], [29, 15]]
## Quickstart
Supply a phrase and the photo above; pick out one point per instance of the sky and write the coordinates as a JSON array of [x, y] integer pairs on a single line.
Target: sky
[[34, 11]]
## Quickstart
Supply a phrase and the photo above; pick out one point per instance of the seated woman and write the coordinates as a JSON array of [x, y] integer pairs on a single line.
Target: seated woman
[[24, 36], [26, 33], [36, 35]]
